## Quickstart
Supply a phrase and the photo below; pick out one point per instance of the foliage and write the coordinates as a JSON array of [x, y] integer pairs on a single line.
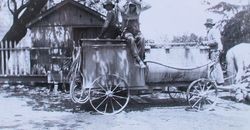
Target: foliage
[[226, 10], [235, 23], [237, 30], [187, 38]]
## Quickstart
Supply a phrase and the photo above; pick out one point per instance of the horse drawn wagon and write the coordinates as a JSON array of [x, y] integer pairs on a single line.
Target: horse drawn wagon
[[105, 74]]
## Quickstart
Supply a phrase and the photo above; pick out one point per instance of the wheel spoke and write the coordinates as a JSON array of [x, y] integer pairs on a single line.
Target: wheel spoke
[[119, 91], [210, 102], [195, 87], [193, 97], [203, 87], [106, 106], [99, 92], [99, 98], [200, 85], [197, 102], [209, 87], [101, 102], [112, 105], [119, 97], [117, 102], [101, 86], [195, 94], [116, 87]]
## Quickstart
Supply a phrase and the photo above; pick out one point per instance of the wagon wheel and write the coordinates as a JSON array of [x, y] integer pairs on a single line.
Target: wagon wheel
[[78, 93], [109, 94], [176, 94], [202, 94]]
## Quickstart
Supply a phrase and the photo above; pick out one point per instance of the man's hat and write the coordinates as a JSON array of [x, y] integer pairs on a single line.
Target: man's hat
[[209, 22], [108, 2]]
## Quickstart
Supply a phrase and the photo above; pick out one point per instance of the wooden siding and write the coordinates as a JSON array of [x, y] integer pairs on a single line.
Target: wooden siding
[[70, 15], [51, 36]]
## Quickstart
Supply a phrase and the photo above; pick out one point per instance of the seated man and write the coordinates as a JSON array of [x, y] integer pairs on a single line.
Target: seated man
[[111, 26], [130, 13]]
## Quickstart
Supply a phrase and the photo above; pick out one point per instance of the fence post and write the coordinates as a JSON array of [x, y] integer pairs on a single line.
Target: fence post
[[6, 57], [2, 58], [10, 67], [26, 54], [16, 58], [20, 65]]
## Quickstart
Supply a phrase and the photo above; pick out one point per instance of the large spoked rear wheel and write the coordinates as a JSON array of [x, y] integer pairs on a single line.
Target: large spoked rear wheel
[[202, 94], [78, 93], [109, 94]]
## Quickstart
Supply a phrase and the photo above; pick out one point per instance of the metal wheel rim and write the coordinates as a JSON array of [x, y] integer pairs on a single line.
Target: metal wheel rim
[[105, 100], [202, 94], [84, 97]]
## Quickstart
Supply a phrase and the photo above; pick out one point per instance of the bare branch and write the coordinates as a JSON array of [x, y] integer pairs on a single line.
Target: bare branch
[[15, 5], [8, 3], [22, 7]]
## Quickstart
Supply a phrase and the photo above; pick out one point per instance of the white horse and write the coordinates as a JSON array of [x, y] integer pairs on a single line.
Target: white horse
[[238, 59]]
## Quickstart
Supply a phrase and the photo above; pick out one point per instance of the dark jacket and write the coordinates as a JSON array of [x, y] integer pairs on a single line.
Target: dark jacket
[[111, 26]]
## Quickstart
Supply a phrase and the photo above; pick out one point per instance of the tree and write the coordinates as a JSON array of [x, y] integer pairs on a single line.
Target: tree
[[23, 12], [235, 25], [237, 30], [226, 10], [187, 38]]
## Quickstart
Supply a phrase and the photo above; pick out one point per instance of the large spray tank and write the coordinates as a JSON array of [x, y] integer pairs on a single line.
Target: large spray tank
[[180, 62]]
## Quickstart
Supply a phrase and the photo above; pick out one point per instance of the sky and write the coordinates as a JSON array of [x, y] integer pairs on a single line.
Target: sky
[[168, 18]]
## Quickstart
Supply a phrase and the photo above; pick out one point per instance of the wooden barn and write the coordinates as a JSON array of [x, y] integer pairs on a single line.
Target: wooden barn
[[53, 33], [68, 20]]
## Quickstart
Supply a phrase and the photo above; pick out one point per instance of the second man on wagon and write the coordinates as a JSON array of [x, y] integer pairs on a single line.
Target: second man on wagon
[[130, 13]]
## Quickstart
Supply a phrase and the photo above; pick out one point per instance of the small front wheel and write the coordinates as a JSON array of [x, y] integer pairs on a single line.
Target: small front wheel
[[202, 94]]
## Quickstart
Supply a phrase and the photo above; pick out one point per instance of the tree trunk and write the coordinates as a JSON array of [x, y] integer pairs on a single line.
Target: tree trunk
[[18, 29]]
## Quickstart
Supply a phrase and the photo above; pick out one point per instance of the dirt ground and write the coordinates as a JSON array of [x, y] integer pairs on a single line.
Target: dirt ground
[[25, 107]]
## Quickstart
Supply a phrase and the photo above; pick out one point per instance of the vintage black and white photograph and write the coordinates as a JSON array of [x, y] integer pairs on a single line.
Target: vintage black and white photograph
[[124, 64]]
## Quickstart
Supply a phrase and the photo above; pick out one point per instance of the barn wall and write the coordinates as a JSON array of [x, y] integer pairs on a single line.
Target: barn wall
[[59, 29], [50, 36], [70, 15]]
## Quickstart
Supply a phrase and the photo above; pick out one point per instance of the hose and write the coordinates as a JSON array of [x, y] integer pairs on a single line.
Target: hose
[[212, 62]]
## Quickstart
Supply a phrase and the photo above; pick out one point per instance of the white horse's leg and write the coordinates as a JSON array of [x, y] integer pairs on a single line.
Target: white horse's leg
[[231, 68]]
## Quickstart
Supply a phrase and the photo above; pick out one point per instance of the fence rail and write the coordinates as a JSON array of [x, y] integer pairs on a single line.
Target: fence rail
[[15, 59], [22, 63]]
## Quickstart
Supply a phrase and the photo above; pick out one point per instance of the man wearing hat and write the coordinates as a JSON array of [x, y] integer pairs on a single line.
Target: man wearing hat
[[216, 47], [130, 13], [111, 26]]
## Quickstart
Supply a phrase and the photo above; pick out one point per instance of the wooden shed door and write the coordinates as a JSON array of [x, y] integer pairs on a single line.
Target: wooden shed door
[[85, 33]]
